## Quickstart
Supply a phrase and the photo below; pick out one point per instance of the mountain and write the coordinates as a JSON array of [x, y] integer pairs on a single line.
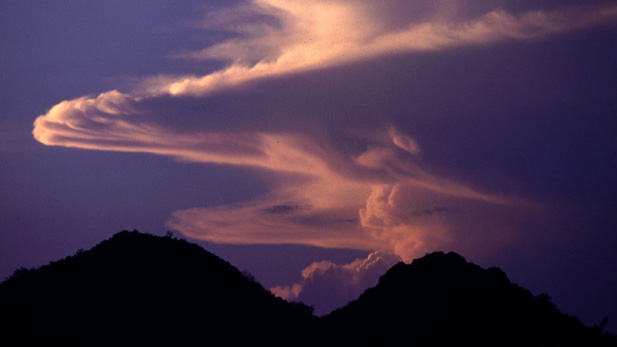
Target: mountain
[[140, 289], [441, 299]]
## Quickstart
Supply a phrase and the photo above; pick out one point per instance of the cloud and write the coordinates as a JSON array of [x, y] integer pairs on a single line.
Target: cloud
[[404, 142], [291, 37], [327, 285], [253, 223], [318, 197], [319, 194]]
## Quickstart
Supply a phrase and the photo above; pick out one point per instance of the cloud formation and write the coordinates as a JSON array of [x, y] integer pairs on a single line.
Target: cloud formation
[[328, 286], [289, 36], [318, 195], [337, 202]]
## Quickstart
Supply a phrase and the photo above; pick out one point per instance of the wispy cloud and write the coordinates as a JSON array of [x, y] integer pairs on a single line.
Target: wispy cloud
[[288, 36], [318, 195]]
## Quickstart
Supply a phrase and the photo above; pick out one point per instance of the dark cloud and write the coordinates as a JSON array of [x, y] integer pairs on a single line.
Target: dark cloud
[[276, 209], [431, 212]]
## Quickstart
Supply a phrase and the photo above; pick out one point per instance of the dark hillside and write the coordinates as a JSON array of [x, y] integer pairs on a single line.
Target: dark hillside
[[141, 288], [441, 299]]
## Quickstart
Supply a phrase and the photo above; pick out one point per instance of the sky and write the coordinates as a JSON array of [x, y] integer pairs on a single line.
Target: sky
[[315, 144]]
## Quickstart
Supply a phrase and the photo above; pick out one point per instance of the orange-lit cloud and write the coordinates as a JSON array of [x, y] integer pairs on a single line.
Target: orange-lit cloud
[[327, 286], [318, 197], [286, 36], [373, 199]]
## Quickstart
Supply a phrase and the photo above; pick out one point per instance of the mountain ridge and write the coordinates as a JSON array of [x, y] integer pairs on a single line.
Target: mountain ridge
[[453, 300], [144, 289], [141, 288]]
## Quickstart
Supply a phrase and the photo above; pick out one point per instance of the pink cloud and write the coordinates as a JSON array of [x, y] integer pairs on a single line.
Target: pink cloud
[[318, 195], [338, 201], [286, 37], [327, 286]]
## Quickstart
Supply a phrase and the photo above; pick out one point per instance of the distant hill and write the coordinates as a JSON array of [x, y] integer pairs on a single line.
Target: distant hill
[[141, 289], [443, 300]]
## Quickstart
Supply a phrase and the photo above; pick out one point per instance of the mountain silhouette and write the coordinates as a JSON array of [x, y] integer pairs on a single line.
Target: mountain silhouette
[[140, 288], [143, 289], [442, 300]]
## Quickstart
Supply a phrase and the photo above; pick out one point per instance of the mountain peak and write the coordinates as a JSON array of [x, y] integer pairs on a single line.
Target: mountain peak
[[143, 288], [443, 300]]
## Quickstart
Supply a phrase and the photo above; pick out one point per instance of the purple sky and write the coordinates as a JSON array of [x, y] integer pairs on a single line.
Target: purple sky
[[316, 144]]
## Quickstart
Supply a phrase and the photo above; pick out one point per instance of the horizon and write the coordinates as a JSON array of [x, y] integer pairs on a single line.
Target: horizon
[[143, 236], [142, 287], [316, 145]]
